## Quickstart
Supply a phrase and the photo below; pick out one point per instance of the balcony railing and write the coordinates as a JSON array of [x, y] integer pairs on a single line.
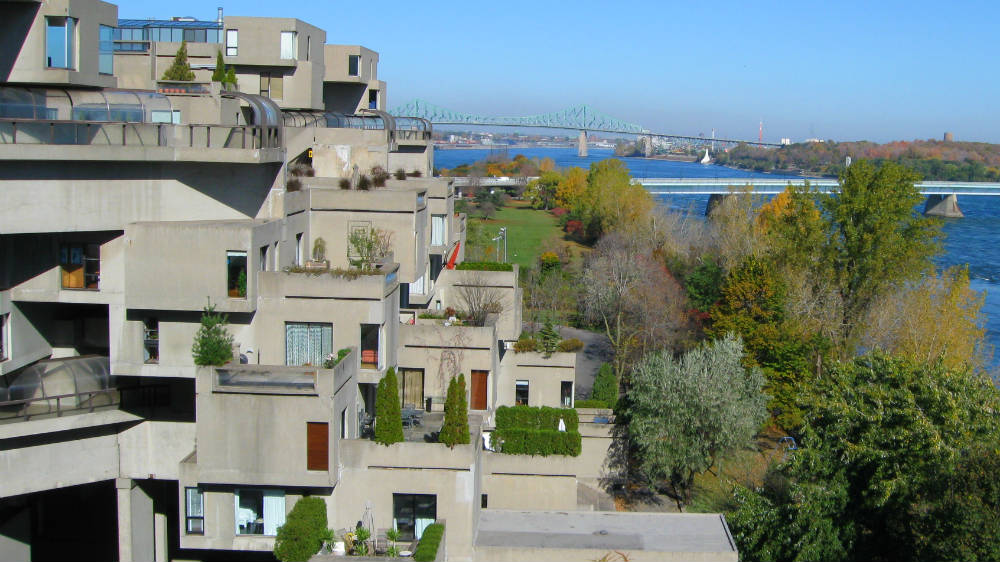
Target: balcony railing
[[97, 133]]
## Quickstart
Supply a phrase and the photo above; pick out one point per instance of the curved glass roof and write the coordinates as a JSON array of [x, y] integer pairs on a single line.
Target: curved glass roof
[[128, 106], [59, 377], [188, 24], [332, 120]]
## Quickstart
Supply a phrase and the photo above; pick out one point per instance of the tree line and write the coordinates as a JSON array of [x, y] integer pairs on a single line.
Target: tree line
[[815, 316]]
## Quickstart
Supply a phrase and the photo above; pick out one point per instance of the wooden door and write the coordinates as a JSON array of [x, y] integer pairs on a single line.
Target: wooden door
[[478, 399], [317, 446]]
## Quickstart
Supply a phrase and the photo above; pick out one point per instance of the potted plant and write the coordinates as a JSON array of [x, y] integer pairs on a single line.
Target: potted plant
[[318, 261]]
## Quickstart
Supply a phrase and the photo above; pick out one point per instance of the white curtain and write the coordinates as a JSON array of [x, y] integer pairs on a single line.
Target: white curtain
[[288, 45], [307, 343], [419, 526], [437, 230], [274, 511]]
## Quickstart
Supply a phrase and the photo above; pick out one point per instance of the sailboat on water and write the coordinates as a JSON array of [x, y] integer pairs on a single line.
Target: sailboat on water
[[706, 159]]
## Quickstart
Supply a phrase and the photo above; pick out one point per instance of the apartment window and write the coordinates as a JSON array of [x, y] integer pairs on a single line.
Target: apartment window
[[307, 343], [412, 513], [289, 45], [236, 274], [151, 340], [263, 257], [566, 394], [353, 65], [298, 249], [437, 230], [317, 446], [4, 346], [259, 511], [165, 116], [370, 346], [309, 46], [60, 42], [232, 42], [521, 393], [194, 511], [106, 50], [372, 99], [81, 266], [344, 430], [272, 86]]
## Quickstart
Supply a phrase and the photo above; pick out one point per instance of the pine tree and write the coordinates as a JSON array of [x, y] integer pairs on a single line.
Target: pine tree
[[455, 430], [219, 74], [388, 416], [231, 79], [550, 338], [180, 70], [213, 344]]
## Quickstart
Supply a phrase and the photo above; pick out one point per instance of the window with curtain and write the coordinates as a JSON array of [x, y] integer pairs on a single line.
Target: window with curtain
[[412, 513], [232, 42], [259, 511], [307, 343], [289, 45], [437, 230]]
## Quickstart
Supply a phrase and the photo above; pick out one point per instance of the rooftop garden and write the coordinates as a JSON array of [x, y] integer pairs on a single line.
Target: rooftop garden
[[484, 266], [528, 430]]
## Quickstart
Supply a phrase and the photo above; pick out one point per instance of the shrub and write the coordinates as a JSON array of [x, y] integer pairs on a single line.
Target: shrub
[[484, 266], [364, 183], [241, 284], [332, 361], [293, 184], [319, 249], [549, 261], [400, 174], [379, 176], [455, 430], [414, 174], [428, 546], [543, 442], [388, 416], [344, 183], [536, 417], [525, 345], [304, 531], [590, 403], [571, 345], [213, 344], [605, 386]]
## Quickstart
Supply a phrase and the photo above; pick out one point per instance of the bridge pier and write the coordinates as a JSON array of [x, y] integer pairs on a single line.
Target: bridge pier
[[648, 146], [943, 206], [581, 144]]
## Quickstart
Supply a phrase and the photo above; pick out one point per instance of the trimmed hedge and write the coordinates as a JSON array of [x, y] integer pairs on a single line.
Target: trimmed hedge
[[428, 546], [590, 403], [532, 417], [542, 442], [484, 266]]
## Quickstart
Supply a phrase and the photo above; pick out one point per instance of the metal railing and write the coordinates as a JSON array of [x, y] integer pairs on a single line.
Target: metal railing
[[98, 133]]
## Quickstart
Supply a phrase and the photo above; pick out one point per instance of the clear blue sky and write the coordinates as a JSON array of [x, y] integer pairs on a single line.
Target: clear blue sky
[[842, 70]]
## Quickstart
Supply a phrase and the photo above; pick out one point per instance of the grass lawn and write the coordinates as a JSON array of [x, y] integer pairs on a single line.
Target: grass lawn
[[527, 228]]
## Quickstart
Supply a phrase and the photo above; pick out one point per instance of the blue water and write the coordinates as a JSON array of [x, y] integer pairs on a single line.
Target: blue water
[[971, 241]]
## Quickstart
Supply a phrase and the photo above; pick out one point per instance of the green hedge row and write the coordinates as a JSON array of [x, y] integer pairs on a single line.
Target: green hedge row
[[542, 442], [485, 266], [590, 403], [427, 548], [532, 417]]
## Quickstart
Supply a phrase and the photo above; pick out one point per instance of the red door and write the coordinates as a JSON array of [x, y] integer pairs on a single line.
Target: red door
[[478, 400]]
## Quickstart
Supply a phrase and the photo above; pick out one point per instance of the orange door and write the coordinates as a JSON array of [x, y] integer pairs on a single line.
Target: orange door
[[478, 400]]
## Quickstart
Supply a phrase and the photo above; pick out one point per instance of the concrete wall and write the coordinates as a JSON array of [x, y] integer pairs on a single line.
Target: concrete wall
[[529, 482], [337, 151], [25, 341], [545, 376], [93, 196], [445, 351], [344, 93], [23, 49], [372, 473]]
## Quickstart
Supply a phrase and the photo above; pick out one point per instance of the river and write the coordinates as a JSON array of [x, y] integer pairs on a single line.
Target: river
[[972, 240]]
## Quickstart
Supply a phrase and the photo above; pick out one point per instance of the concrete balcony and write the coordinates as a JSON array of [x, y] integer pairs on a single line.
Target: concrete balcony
[[330, 284]]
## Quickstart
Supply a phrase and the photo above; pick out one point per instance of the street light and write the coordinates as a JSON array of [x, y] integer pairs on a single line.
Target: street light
[[501, 235]]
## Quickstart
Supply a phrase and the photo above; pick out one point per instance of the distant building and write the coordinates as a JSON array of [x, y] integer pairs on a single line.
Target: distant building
[[949, 137], [786, 141]]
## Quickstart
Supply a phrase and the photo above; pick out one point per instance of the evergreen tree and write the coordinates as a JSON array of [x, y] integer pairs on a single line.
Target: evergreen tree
[[606, 386], [231, 79], [455, 430], [219, 74], [213, 344], [549, 338], [304, 531], [180, 70], [388, 416]]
